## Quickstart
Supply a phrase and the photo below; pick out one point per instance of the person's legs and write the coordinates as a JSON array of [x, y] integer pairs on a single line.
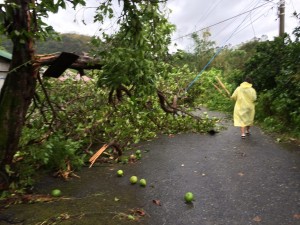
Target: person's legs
[[242, 132], [248, 130]]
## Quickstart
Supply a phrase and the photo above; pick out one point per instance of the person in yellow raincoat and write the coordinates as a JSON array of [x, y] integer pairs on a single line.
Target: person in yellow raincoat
[[244, 109]]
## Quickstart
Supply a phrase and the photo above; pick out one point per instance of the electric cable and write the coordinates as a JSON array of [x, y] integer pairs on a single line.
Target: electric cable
[[291, 1], [250, 5], [247, 25], [229, 24], [215, 55], [251, 22], [220, 22], [208, 12]]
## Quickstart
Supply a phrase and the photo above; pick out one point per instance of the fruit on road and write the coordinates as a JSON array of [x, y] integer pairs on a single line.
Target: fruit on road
[[189, 197], [131, 217], [120, 173], [56, 192], [143, 182], [133, 179], [138, 152]]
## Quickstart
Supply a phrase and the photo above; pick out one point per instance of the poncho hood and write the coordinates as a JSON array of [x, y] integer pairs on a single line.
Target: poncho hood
[[246, 85]]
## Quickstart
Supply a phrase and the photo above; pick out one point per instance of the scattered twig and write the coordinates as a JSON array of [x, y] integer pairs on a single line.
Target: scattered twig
[[48, 99]]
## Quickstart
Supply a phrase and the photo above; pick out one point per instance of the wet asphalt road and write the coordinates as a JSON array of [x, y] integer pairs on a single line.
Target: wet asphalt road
[[235, 182]]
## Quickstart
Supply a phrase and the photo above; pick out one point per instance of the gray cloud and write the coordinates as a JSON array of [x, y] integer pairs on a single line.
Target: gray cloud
[[193, 15]]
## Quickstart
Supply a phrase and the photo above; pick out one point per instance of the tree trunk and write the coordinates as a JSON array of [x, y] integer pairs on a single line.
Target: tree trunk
[[19, 86]]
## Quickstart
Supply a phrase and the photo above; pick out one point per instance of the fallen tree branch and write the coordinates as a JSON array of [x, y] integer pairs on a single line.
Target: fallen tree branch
[[119, 94], [165, 105], [173, 108], [83, 62]]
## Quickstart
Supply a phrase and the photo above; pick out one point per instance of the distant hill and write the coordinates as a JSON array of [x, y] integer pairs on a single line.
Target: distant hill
[[69, 42]]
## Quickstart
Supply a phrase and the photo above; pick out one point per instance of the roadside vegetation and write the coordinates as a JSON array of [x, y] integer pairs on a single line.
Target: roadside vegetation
[[67, 42], [274, 67], [140, 92]]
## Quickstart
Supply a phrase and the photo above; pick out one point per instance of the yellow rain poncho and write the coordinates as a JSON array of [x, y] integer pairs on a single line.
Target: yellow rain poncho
[[244, 109]]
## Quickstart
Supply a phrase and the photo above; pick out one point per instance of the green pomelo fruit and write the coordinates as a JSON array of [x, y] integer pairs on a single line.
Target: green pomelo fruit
[[143, 182], [138, 152], [189, 197], [131, 217], [56, 192], [133, 179], [120, 173]]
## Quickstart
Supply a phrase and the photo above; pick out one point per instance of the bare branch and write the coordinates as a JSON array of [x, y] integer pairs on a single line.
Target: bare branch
[[164, 103]]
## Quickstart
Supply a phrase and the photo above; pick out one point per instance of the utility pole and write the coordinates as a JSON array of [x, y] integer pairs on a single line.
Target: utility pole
[[281, 16]]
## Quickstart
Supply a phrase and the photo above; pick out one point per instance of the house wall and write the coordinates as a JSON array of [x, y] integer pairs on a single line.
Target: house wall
[[4, 67]]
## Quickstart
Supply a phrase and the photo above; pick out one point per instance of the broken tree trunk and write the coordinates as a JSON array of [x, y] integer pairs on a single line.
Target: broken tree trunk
[[82, 63], [19, 88]]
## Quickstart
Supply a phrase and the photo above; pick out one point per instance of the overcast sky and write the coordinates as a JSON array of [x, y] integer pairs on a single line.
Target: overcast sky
[[194, 15]]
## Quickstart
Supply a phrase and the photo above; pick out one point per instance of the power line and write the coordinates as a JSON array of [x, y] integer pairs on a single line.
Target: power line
[[209, 11], [220, 22], [291, 1], [237, 28], [254, 18], [217, 52], [229, 24], [251, 22], [214, 56]]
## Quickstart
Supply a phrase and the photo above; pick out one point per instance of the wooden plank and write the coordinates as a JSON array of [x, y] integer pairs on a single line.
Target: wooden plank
[[93, 159], [223, 86]]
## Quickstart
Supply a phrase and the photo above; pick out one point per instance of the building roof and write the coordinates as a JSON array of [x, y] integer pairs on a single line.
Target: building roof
[[5, 55]]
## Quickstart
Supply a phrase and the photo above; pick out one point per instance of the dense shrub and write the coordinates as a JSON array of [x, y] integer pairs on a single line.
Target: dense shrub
[[275, 69]]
